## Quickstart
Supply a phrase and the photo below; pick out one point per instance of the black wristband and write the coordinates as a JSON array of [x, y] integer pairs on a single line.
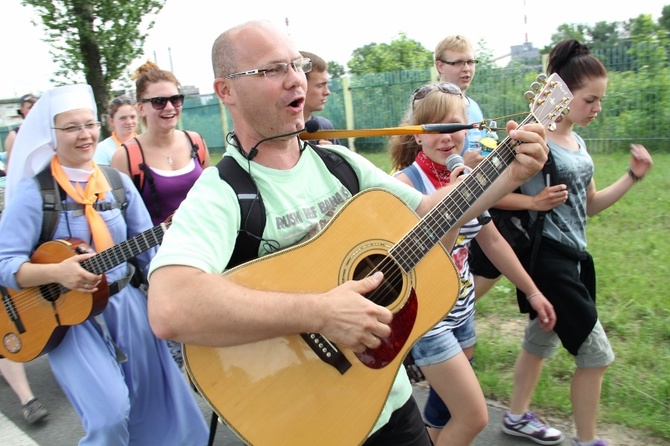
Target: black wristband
[[633, 176]]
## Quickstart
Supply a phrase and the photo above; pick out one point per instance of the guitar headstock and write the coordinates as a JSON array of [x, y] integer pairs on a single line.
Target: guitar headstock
[[549, 100]]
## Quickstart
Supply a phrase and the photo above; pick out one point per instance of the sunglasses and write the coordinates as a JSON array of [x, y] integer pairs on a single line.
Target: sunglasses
[[159, 102], [444, 87]]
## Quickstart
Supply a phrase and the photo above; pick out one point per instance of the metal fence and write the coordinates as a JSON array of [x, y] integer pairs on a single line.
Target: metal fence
[[636, 108]]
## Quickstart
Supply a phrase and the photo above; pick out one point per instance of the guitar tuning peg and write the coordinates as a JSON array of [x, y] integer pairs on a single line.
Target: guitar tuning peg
[[552, 127], [542, 77], [529, 95], [536, 86]]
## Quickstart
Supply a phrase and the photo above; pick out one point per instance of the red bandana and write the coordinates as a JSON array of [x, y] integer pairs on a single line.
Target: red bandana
[[436, 173]]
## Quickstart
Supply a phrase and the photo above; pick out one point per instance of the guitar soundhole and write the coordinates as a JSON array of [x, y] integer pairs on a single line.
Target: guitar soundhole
[[51, 291], [391, 286]]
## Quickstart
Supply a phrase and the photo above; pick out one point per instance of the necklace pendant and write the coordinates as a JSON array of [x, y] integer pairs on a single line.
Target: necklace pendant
[[169, 160]]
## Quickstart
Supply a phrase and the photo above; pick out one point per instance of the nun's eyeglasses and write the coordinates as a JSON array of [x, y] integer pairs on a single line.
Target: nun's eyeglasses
[[76, 129]]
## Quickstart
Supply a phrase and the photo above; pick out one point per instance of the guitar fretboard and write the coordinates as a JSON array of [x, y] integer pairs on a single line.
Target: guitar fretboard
[[434, 225], [126, 250]]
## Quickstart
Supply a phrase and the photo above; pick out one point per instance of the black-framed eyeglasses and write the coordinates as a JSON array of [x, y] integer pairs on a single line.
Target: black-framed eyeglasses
[[460, 63], [444, 87], [76, 129], [159, 102], [277, 70]]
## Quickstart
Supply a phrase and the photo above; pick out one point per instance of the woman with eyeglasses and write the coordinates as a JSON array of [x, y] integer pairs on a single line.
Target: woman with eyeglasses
[[443, 354], [119, 378], [169, 162], [122, 119]]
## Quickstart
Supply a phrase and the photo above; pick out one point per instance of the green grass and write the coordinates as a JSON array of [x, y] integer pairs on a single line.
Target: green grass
[[631, 248]]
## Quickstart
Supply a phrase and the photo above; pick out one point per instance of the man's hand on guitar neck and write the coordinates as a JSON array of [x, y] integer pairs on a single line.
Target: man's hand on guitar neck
[[531, 154], [352, 320]]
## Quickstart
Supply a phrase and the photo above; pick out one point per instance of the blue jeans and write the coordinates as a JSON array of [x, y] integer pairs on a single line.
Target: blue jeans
[[435, 413]]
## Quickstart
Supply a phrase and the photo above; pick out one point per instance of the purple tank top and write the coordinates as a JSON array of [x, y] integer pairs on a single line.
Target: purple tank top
[[171, 191]]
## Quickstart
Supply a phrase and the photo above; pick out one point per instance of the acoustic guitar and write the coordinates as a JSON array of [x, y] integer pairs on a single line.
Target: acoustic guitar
[[304, 390], [34, 320]]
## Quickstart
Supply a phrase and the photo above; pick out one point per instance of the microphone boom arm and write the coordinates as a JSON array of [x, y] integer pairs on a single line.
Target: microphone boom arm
[[389, 131]]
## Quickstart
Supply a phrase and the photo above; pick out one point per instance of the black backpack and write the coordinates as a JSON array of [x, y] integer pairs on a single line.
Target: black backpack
[[515, 226], [252, 210], [53, 196]]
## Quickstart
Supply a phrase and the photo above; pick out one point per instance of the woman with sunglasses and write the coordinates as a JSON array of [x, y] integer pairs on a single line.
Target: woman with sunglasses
[[443, 354], [119, 378], [167, 156], [122, 119], [169, 162]]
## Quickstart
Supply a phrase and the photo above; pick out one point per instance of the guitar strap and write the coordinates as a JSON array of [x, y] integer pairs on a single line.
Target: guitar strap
[[252, 210]]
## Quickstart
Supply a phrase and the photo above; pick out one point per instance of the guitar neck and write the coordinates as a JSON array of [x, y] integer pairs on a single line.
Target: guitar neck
[[443, 217], [126, 250]]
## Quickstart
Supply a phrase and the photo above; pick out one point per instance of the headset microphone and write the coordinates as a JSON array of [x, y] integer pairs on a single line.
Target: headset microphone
[[310, 126]]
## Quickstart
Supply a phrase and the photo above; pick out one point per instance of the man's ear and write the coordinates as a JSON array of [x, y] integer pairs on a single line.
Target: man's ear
[[222, 89]]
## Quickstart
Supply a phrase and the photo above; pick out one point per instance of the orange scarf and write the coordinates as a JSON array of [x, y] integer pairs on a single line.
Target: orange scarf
[[96, 187]]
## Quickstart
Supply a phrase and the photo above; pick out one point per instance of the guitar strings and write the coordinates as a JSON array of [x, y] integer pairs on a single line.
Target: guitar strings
[[435, 220], [439, 222], [33, 297]]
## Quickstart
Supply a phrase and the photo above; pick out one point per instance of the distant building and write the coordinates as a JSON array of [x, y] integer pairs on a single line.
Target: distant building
[[190, 90], [525, 53]]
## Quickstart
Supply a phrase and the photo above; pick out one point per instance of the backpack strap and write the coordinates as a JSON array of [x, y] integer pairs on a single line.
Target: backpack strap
[[198, 146], [51, 203], [118, 191], [252, 209], [135, 157], [550, 175], [413, 174], [139, 170], [338, 167], [53, 199]]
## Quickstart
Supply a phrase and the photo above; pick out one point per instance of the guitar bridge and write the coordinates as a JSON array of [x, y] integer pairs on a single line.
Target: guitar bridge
[[326, 351], [10, 308]]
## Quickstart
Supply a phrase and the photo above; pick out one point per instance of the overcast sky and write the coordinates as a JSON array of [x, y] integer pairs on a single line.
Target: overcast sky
[[182, 37]]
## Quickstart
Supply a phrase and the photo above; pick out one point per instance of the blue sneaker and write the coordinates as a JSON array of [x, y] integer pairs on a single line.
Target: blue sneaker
[[532, 428]]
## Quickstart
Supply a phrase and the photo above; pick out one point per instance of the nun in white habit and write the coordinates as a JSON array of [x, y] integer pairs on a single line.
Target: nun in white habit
[[120, 378]]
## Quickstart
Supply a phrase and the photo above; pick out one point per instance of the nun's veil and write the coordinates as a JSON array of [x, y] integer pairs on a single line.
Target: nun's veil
[[35, 143]]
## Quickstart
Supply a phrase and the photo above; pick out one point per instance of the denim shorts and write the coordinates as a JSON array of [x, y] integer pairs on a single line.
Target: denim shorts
[[433, 349], [596, 350]]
